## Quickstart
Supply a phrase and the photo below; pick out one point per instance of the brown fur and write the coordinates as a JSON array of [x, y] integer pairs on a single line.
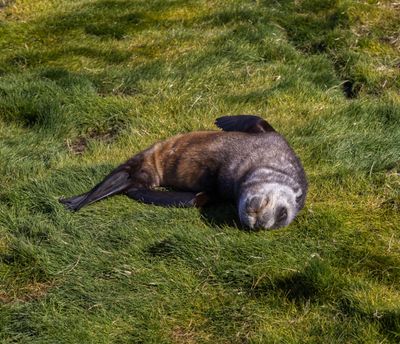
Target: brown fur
[[248, 158], [185, 162]]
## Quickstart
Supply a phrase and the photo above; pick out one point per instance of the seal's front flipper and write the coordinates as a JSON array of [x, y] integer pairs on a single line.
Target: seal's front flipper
[[244, 123], [113, 184], [169, 198]]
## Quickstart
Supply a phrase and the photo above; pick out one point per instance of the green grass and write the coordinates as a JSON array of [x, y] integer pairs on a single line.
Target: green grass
[[85, 84]]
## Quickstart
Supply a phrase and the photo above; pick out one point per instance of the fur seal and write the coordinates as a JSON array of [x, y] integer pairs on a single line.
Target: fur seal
[[248, 162]]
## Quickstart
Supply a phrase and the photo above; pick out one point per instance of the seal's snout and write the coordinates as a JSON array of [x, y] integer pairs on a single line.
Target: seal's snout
[[267, 217], [255, 212], [267, 207]]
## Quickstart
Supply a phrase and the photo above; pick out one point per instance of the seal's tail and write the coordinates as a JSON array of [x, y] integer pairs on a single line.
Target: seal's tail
[[116, 182]]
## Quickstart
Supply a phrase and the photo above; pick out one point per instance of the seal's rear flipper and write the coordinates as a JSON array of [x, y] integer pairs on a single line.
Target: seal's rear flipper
[[169, 198], [244, 123], [115, 183], [72, 202]]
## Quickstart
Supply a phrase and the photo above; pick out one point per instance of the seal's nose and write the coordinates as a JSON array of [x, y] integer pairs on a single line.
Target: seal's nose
[[260, 224], [257, 225]]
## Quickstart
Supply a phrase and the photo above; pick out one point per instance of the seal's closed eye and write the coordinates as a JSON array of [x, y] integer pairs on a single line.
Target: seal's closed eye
[[281, 214]]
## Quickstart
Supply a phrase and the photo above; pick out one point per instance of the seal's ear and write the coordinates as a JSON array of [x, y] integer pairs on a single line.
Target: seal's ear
[[244, 123]]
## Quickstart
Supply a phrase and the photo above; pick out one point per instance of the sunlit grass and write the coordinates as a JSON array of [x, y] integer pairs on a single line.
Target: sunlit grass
[[86, 84]]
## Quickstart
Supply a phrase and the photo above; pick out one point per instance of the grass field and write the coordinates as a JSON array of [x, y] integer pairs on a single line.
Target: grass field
[[85, 84]]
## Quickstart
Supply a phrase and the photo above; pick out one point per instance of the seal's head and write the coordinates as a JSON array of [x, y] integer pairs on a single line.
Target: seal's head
[[269, 205]]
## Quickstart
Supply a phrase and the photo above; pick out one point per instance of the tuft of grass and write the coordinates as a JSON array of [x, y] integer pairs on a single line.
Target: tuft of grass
[[85, 84]]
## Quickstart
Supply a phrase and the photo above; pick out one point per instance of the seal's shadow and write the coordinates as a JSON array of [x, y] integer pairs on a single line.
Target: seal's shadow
[[221, 214]]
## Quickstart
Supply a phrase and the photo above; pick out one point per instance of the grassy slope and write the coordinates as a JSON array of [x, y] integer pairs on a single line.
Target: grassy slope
[[84, 84]]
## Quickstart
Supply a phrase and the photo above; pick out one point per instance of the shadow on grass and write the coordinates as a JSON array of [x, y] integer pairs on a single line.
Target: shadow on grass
[[162, 249], [384, 268], [370, 136], [108, 19], [122, 17], [260, 96], [253, 29], [25, 273], [387, 321], [322, 27], [317, 284], [124, 82], [36, 58], [59, 103], [314, 283], [221, 215], [314, 26]]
